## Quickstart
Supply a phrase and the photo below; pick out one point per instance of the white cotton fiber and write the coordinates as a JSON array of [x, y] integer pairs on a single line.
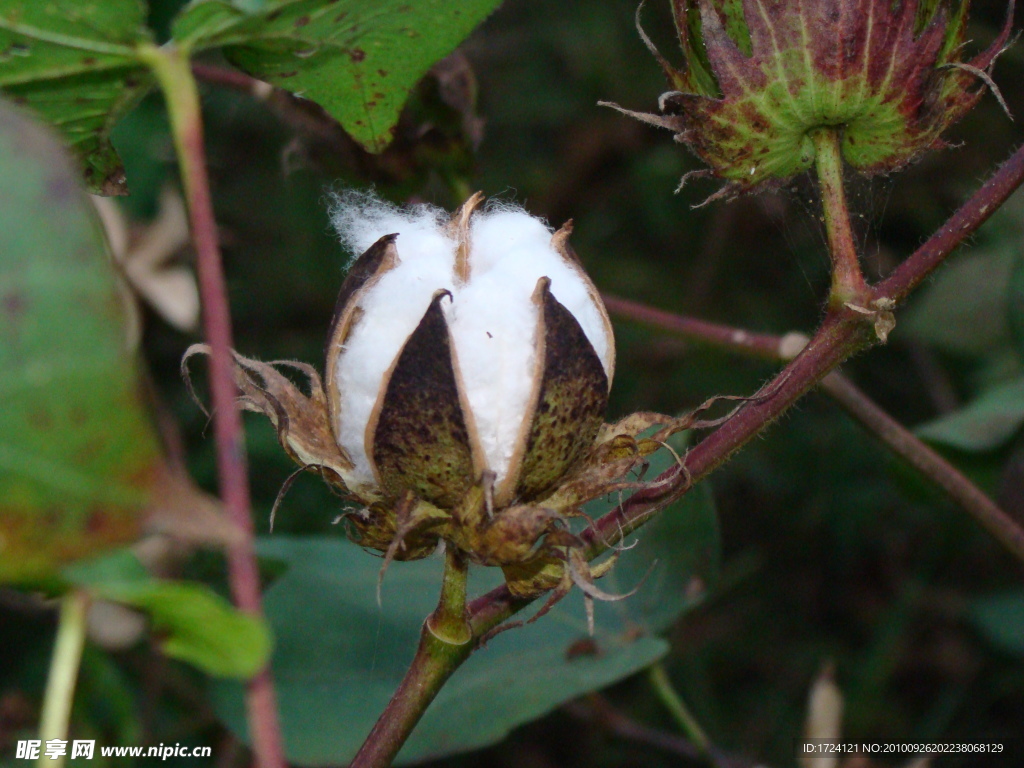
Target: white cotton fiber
[[362, 219], [492, 318], [494, 322], [512, 242]]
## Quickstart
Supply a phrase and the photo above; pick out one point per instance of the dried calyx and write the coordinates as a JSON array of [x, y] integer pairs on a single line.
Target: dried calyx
[[467, 374], [761, 76]]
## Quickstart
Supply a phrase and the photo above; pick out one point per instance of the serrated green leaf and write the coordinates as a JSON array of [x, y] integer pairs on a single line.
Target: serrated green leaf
[[357, 60], [73, 63], [339, 656], [984, 424], [191, 622], [78, 454]]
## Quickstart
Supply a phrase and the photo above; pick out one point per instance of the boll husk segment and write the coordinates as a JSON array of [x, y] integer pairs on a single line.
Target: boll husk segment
[[468, 366], [762, 75]]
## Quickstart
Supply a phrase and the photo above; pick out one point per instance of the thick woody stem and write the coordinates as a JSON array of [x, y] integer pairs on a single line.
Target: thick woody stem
[[173, 73], [847, 281]]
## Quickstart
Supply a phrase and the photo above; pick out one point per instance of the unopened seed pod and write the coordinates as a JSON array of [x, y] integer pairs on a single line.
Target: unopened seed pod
[[761, 76]]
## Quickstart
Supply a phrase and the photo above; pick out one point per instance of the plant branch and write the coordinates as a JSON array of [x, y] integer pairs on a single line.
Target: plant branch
[[233, 79], [847, 281], [760, 345], [448, 621], [928, 462], [961, 225], [446, 641], [874, 419], [842, 334], [173, 73], [60, 685]]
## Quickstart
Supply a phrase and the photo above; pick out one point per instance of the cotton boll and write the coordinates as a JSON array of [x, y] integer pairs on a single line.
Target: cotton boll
[[492, 318], [456, 337]]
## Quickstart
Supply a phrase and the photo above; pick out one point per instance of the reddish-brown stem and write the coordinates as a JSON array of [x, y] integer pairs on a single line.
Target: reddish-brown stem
[[231, 78], [877, 422], [961, 225], [761, 345], [446, 641], [842, 334], [434, 663], [171, 67]]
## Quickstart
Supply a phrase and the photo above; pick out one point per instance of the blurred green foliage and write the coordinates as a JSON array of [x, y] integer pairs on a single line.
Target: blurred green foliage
[[189, 622], [79, 458], [833, 551]]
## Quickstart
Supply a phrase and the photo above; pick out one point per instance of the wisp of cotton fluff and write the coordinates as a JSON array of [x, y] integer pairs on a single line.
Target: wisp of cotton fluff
[[492, 318]]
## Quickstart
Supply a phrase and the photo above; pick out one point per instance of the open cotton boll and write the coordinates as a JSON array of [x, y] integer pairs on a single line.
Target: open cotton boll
[[391, 310], [492, 319]]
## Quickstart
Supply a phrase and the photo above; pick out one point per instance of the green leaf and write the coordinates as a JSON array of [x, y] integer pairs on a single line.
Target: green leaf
[[988, 422], [339, 656], [193, 623], [78, 455], [357, 60], [74, 64], [1001, 619]]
